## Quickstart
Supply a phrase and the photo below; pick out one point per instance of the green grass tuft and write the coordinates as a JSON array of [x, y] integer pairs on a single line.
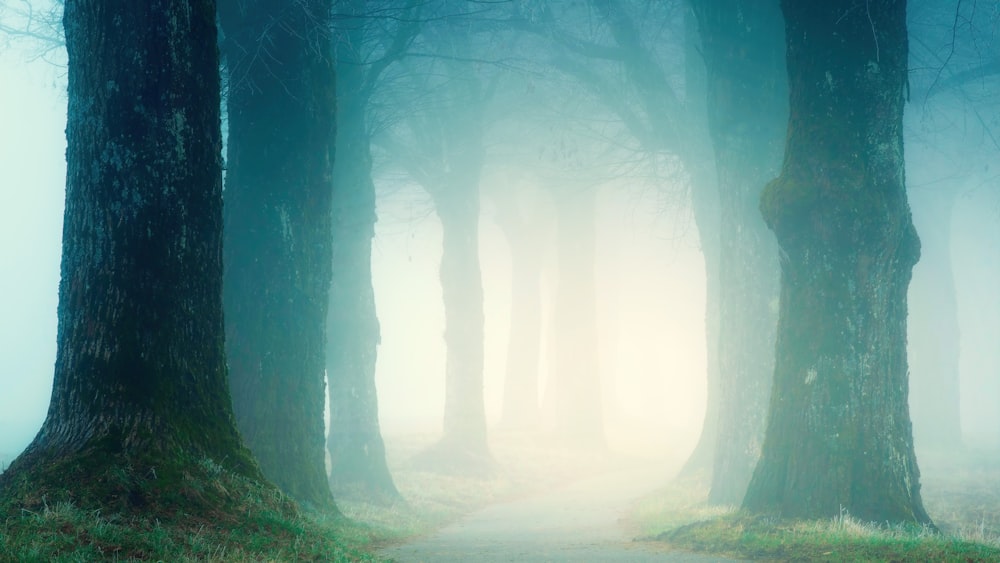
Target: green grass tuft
[[679, 517]]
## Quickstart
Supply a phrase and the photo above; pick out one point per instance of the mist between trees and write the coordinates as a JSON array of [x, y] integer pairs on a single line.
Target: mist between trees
[[758, 237]]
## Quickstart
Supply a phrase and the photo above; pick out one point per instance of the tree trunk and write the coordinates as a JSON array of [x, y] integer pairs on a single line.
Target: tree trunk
[[838, 433], [524, 238], [934, 331], [357, 452], [281, 108], [743, 49], [463, 445], [573, 392], [139, 391], [705, 208]]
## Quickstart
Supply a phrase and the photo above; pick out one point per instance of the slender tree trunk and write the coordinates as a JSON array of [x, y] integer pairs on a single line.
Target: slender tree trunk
[[705, 206], [838, 433], [139, 391], [278, 236], [574, 387], [934, 331], [464, 441], [743, 48], [357, 452], [524, 238]]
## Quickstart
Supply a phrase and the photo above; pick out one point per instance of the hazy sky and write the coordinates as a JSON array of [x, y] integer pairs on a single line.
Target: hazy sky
[[32, 180]]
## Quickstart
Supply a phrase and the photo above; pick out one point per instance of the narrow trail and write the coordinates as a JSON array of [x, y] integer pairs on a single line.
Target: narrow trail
[[578, 522]]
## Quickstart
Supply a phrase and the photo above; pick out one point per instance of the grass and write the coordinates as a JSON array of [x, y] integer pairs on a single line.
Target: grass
[[255, 523], [261, 524], [679, 517]]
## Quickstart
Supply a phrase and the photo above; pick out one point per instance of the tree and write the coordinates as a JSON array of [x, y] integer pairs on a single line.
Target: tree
[[444, 153], [838, 432], [743, 51], [357, 452], [139, 398], [281, 108]]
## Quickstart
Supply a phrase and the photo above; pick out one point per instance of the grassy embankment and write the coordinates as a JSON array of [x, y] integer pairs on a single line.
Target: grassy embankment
[[263, 525], [961, 496]]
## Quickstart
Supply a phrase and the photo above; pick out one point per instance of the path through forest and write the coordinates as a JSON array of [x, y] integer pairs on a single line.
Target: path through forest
[[581, 521]]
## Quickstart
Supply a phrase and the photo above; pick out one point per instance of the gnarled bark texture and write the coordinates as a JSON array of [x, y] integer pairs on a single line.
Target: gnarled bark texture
[[838, 433], [743, 48], [281, 109], [139, 395]]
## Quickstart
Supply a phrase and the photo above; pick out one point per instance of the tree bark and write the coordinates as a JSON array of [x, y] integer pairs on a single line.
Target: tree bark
[[838, 432], [743, 48], [281, 108], [140, 390]]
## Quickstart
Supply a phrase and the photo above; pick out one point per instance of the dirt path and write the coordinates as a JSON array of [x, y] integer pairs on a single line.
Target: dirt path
[[580, 522]]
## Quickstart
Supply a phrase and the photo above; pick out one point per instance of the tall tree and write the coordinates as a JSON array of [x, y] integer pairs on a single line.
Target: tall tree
[[354, 440], [574, 385], [139, 396], [742, 46], [838, 432], [281, 108]]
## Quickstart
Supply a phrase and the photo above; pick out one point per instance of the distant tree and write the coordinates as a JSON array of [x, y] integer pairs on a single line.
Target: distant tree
[[838, 432], [139, 398], [363, 52], [951, 145], [281, 110], [440, 145], [742, 46]]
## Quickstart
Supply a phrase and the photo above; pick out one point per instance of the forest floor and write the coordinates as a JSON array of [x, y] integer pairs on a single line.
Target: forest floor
[[544, 503]]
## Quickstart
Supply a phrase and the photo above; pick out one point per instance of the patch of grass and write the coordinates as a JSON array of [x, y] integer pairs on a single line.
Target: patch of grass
[[255, 523], [840, 539], [679, 517]]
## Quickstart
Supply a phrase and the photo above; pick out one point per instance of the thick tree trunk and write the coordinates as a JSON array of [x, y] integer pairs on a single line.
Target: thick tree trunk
[[357, 452], [838, 433], [140, 379], [934, 330], [743, 49], [573, 391], [278, 240]]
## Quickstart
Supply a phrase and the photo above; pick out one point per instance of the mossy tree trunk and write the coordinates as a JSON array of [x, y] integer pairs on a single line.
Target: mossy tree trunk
[[139, 396], [573, 391], [838, 432], [743, 49], [281, 105], [354, 440]]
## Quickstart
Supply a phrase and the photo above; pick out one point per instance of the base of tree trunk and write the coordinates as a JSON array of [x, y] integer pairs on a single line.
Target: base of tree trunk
[[452, 457], [169, 486]]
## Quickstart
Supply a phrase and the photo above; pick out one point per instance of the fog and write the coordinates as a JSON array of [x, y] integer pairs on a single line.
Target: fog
[[650, 281], [650, 275]]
